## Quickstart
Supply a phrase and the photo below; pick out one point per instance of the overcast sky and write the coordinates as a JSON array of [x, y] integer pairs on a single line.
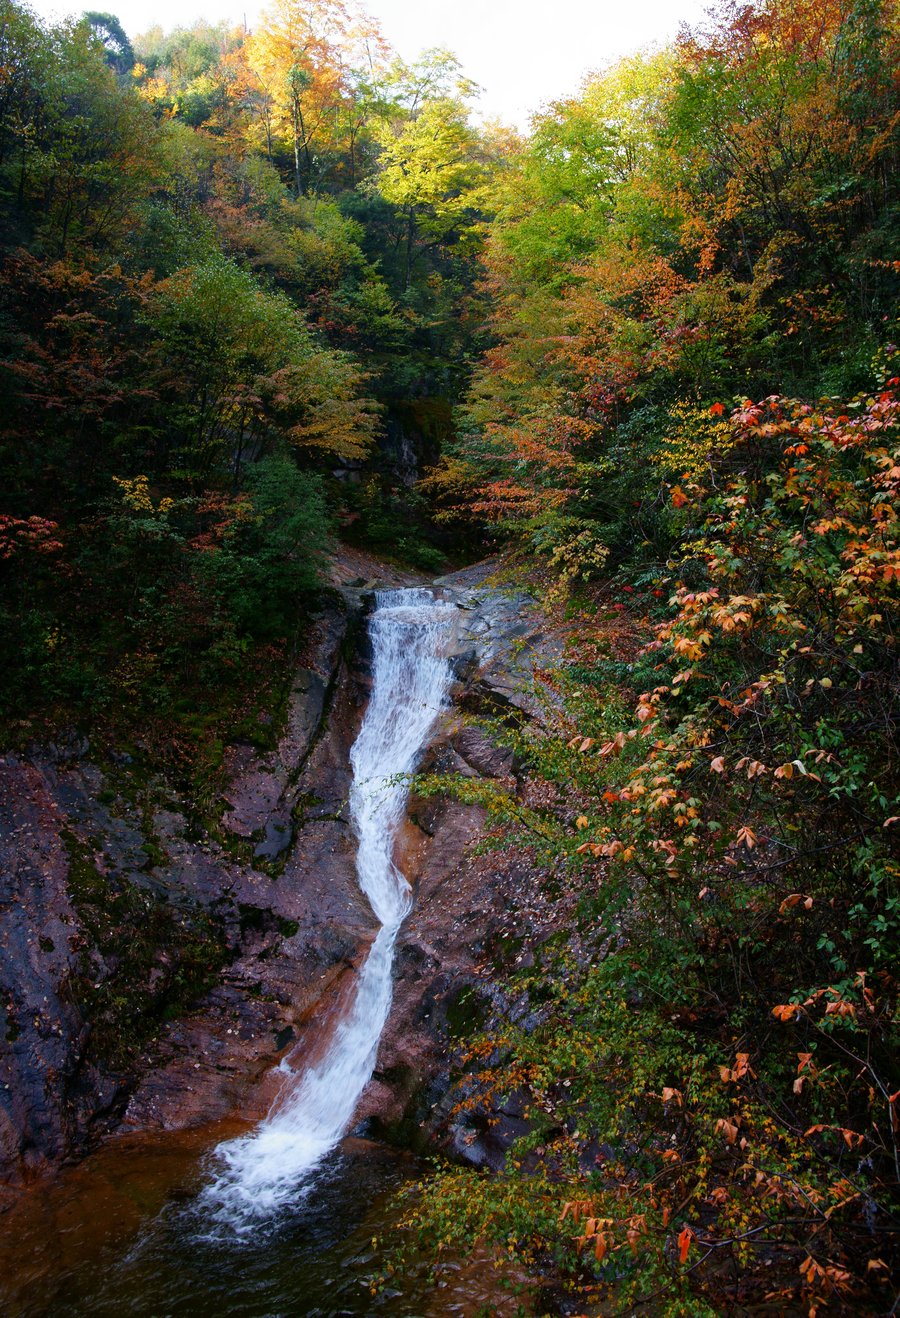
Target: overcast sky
[[523, 53]]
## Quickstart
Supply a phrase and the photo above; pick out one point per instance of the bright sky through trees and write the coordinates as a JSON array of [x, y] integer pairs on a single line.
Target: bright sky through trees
[[521, 52]]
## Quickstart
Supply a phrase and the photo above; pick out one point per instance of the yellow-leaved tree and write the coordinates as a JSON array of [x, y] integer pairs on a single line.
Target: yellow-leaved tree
[[301, 68]]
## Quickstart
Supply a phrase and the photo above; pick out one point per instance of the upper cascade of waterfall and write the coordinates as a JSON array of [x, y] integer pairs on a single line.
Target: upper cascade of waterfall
[[409, 597], [409, 631], [272, 1167]]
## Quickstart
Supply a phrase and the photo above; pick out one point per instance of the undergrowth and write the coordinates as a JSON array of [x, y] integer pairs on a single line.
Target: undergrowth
[[712, 1083]]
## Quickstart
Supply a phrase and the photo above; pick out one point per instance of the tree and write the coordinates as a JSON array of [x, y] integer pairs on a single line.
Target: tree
[[429, 167], [111, 35], [244, 368], [77, 145], [301, 58], [270, 550]]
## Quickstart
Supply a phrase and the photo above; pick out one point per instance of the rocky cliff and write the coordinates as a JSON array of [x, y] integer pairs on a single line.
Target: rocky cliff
[[157, 965]]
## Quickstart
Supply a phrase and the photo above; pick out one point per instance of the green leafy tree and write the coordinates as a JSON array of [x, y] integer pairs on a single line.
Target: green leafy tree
[[272, 551], [429, 168], [112, 37], [244, 368]]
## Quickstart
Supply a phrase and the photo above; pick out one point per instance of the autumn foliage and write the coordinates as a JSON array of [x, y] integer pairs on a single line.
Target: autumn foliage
[[688, 420], [650, 350], [210, 273]]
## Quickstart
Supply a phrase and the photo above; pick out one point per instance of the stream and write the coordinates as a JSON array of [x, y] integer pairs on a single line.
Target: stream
[[264, 1172], [278, 1220]]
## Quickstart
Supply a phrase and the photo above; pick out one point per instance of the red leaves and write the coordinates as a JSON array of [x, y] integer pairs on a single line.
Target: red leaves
[[616, 746], [595, 1228], [717, 409], [740, 1070], [794, 900], [851, 1138], [578, 1208], [836, 1005], [582, 744], [685, 1240], [601, 1245], [645, 710], [840, 1007], [36, 534], [804, 1064]]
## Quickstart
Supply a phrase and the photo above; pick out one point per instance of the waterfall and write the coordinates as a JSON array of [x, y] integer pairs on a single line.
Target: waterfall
[[269, 1169]]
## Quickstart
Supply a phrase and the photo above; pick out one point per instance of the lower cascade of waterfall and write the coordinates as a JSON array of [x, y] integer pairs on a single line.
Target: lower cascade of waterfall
[[270, 1169]]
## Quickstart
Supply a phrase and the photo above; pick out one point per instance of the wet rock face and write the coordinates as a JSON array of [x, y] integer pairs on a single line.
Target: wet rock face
[[261, 795], [501, 637], [264, 906], [471, 910], [114, 911], [44, 1090], [300, 924]]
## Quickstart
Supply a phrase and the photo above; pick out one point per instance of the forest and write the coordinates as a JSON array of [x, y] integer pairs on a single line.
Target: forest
[[264, 292]]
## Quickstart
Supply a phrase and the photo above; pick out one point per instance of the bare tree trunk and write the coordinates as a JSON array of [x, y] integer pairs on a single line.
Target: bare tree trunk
[[295, 128], [307, 154], [410, 235]]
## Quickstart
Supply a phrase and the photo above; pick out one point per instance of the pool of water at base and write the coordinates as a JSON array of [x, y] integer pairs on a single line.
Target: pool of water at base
[[115, 1238]]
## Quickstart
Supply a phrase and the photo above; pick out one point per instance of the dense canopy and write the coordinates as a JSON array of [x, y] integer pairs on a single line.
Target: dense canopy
[[261, 289]]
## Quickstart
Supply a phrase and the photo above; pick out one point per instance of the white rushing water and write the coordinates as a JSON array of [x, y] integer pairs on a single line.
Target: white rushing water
[[271, 1167]]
